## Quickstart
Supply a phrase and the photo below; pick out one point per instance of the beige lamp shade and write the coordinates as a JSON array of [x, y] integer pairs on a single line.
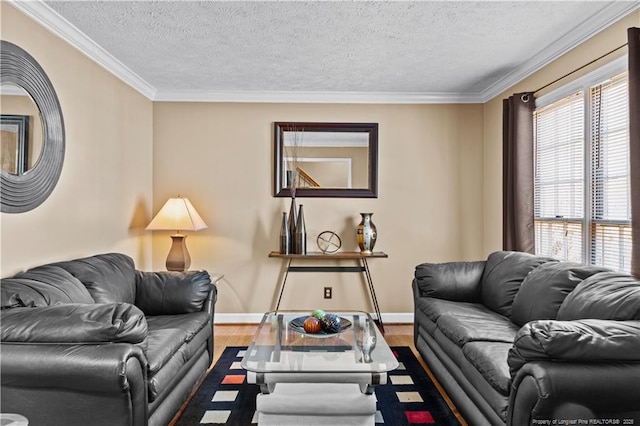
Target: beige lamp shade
[[177, 214]]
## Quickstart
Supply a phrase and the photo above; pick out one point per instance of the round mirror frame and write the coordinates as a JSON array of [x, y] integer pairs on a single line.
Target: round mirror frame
[[26, 192]]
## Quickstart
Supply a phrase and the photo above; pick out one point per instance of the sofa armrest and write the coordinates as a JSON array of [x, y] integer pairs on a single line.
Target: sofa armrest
[[75, 384], [170, 293], [457, 281], [585, 341], [94, 367], [546, 391], [209, 304], [75, 323]]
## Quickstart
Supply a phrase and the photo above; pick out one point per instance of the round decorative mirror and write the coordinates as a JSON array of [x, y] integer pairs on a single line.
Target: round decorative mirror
[[32, 132]]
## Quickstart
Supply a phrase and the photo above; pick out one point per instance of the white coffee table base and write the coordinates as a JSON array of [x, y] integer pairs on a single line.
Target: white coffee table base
[[316, 404]]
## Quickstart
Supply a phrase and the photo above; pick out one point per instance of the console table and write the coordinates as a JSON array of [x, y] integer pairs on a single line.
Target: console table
[[363, 267]]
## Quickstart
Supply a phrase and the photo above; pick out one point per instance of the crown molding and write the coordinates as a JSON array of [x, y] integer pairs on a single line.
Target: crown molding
[[317, 97], [59, 26], [587, 29], [52, 21]]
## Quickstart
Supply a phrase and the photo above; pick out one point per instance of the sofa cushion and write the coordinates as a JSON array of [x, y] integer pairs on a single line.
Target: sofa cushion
[[435, 308], [545, 288], [449, 348], [462, 329], [110, 278], [42, 286], [503, 275], [606, 295], [168, 339], [490, 359], [459, 281], [496, 400], [167, 333]]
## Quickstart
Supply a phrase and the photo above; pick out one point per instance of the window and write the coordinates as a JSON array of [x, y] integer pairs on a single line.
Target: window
[[582, 202]]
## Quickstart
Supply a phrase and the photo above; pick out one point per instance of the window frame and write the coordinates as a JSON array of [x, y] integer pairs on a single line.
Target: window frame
[[584, 84]]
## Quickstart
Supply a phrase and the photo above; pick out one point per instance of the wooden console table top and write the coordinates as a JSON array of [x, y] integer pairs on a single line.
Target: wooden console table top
[[338, 255]]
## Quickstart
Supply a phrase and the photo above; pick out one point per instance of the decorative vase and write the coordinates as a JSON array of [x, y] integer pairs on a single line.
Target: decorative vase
[[293, 218], [285, 235], [301, 234], [366, 233]]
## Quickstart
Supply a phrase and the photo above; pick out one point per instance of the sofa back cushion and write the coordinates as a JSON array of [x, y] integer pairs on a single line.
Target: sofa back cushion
[[545, 288], [110, 278], [42, 286], [503, 275], [607, 295]]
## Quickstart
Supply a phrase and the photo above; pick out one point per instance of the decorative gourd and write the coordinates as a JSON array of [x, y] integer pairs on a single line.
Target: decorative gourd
[[311, 325], [331, 323]]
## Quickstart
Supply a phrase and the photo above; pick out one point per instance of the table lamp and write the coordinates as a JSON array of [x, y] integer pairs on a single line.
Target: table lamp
[[177, 214]]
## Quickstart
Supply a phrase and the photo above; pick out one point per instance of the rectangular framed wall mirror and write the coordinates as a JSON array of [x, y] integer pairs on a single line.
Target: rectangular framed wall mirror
[[14, 143], [326, 159]]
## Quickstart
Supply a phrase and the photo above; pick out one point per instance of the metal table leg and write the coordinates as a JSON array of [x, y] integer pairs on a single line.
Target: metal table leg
[[284, 282], [373, 293]]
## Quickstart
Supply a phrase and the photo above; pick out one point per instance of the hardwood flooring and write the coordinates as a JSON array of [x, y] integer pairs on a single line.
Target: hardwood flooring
[[395, 335]]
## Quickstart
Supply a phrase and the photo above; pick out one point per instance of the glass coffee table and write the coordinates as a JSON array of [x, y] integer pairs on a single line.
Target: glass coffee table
[[281, 347], [339, 369]]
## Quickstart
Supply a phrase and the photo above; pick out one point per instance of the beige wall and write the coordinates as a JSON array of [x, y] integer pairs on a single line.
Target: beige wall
[[602, 43], [104, 193], [439, 198], [220, 157]]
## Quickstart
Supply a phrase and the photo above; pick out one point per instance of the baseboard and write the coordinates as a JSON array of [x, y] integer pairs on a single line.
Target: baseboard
[[254, 318], [237, 318]]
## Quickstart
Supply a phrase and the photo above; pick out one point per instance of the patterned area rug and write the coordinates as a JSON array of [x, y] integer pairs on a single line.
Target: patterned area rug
[[408, 398]]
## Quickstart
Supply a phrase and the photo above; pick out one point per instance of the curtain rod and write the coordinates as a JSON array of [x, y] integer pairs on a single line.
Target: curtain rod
[[582, 67]]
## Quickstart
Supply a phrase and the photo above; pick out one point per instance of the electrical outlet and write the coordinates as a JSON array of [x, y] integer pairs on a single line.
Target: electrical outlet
[[328, 292]]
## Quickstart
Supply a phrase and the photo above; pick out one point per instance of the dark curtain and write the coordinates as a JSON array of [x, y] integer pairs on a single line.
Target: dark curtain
[[517, 173], [634, 145]]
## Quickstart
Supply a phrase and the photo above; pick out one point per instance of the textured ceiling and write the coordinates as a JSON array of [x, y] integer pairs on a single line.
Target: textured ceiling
[[436, 47]]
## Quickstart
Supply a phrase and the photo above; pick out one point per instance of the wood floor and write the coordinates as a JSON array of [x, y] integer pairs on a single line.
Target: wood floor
[[395, 335]]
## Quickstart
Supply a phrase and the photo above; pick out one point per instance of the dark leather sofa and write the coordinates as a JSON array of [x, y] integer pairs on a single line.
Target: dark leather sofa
[[525, 340], [94, 341]]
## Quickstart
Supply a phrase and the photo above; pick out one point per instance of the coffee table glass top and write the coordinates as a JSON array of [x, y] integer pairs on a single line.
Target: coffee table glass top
[[282, 345]]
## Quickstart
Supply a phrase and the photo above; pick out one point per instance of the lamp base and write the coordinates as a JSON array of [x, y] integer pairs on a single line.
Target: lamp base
[[178, 258]]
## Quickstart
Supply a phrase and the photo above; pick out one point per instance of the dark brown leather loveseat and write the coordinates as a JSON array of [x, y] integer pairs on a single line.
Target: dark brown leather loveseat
[[95, 342], [526, 340]]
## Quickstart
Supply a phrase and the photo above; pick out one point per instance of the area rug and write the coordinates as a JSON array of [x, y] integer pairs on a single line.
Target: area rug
[[408, 398]]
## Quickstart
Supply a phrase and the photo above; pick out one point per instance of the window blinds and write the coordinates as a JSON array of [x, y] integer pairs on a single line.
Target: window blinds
[[582, 198], [559, 178], [610, 231]]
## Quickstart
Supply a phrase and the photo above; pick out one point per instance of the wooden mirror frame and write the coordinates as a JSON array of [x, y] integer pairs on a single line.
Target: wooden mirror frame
[[21, 193], [279, 186]]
